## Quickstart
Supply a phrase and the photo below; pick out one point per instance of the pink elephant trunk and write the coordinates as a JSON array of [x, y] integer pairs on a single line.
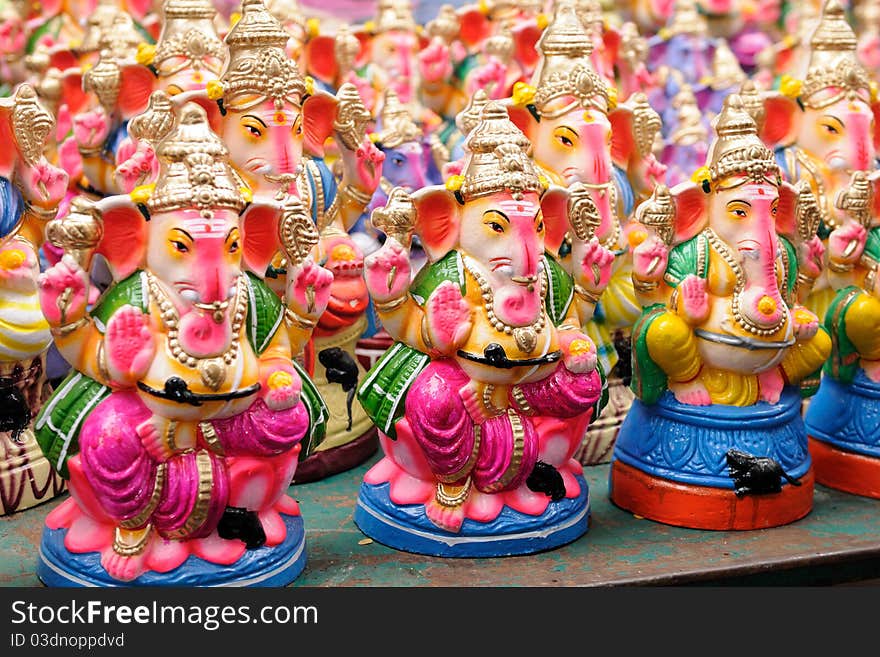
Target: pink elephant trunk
[[861, 146], [200, 333], [763, 303], [597, 171], [286, 162]]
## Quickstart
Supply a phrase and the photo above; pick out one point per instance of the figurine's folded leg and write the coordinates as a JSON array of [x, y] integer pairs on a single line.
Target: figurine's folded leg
[[562, 394], [258, 431], [508, 452], [863, 327], [182, 497], [806, 358], [672, 345], [440, 422]]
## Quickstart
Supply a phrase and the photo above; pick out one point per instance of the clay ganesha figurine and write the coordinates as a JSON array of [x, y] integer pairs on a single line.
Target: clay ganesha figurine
[[842, 417], [179, 429], [719, 359], [484, 397], [30, 189]]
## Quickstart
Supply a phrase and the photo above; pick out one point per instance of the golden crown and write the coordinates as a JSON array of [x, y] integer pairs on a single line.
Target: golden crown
[[188, 32], [565, 68], [726, 71], [834, 70], [111, 28], [395, 15], [633, 46], [258, 68], [497, 158], [686, 19], [689, 129], [194, 169], [501, 44], [397, 123], [737, 150], [345, 48]]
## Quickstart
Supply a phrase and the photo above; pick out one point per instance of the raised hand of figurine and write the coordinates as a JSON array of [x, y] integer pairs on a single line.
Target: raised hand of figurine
[[308, 288], [280, 383], [448, 318], [579, 352], [388, 271], [64, 291], [846, 244], [650, 258], [90, 129], [596, 265], [694, 299], [435, 63], [129, 346], [811, 254]]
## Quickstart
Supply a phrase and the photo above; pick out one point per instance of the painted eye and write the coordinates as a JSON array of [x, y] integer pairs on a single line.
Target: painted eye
[[774, 210], [494, 225], [233, 248], [299, 129], [180, 247], [565, 141], [541, 226], [255, 132], [399, 161], [830, 129]]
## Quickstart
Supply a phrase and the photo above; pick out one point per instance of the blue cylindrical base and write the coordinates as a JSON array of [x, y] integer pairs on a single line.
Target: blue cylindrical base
[[265, 566], [407, 528], [847, 416]]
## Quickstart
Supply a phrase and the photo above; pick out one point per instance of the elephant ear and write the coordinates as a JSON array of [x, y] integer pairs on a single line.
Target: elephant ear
[[690, 210], [623, 143], [475, 27], [62, 58], [522, 119], [321, 57], [136, 85], [438, 219], [259, 236], [72, 93], [363, 56], [782, 122], [525, 38], [554, 207], [8, 156], [657, 47], [124, 242], [786, 212], [319, 114]]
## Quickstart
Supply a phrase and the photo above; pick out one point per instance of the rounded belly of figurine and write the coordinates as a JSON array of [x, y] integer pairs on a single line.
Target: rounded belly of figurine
[[538, 363], [240, 375], [725, 345]]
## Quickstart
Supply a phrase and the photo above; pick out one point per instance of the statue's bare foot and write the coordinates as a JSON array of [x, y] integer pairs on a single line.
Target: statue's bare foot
[[872, 369], [770, 383], [693, 393], [446, 510], [127, 560]]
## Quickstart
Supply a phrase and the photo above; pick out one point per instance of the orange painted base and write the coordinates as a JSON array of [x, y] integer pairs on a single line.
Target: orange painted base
[[846, 471], [703, 507]]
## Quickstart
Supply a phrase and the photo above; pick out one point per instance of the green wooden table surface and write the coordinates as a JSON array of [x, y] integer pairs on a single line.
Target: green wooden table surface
[[839, 542]]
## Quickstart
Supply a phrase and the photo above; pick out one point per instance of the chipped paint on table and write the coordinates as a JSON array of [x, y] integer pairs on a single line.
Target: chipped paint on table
[[839, 540]]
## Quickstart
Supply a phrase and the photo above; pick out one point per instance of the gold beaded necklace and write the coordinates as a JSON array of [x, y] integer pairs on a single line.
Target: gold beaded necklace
[[212, 370]]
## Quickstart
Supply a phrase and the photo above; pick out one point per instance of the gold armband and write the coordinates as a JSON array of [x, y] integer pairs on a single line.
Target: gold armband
[[585, 294], [390, 306], [66, 329]]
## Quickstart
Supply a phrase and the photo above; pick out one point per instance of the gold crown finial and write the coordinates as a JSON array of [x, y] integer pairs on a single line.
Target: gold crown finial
[[395, 15], [565, 70], [686, 19], [194, 170], [396, 122], [834, 71], [726, 71], [737, 155], [501, 44], [446, 25], [497, 158], [633, 46], [469, 117], [258, 68], [109, 27], [753, 102], [346, 48], [188, 38], [690, 129]]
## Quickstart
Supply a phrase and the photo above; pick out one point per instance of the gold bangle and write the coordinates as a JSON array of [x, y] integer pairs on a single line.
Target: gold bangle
[[124, 549], [66, 329], [840, 267], [390, 306], [644, 286], [300, 321], [356, 195], [585, 294]]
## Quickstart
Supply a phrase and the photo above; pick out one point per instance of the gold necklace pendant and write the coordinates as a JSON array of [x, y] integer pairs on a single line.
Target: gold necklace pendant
[[526, 338], [213, 372]]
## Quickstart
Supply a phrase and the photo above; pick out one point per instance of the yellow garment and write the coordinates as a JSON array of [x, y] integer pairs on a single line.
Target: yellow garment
[[730, 388], [673, 346], [863, 326]]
